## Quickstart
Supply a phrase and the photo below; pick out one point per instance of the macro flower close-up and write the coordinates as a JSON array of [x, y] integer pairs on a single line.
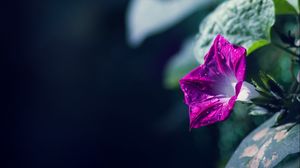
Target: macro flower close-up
[[212, 89]]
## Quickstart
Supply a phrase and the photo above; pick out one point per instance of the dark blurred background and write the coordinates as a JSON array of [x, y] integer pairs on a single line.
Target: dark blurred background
[[75, 94], [79, 96]]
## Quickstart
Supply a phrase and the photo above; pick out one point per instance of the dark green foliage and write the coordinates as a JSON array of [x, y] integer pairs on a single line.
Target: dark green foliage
[[272, 96], [272, 85]]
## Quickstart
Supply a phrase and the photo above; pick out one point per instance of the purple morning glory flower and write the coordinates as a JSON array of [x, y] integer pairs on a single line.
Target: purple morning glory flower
[[212, 89]]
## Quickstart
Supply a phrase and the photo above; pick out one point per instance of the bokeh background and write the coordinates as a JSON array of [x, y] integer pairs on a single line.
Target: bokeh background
[[81, 96]]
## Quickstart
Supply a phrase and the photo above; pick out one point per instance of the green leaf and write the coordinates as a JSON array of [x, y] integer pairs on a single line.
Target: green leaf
[[148, 17], [180, 64], [267, 145], [261, 89], [257, 45], [295, 4], [273, 86], [242, 22], [286, 7]]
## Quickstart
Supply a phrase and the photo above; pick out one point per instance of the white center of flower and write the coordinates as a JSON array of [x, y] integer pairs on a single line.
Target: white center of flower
[[228, 86], [247, 92]]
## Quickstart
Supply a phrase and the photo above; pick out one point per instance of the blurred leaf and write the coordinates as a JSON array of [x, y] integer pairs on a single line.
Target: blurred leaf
[[180, 64], [283, 7], [257, 110], [242, 22], [147, 17], [266, 146]]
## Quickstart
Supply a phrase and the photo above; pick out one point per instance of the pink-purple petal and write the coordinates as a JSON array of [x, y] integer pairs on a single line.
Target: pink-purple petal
[[211, 89]]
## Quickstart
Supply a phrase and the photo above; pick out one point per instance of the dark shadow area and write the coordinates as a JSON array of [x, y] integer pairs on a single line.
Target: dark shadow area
[[79, 96]]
